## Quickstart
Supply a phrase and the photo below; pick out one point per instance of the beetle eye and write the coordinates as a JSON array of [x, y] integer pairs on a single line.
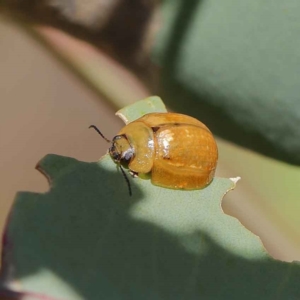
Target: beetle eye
[[115, 155], [128, 155]]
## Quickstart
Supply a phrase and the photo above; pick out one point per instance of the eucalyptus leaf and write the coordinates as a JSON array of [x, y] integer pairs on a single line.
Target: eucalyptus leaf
[[134, 111], [86, 238]]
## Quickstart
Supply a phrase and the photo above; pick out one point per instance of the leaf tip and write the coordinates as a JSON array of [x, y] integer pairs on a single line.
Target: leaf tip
[[139, 108], [235, 179]]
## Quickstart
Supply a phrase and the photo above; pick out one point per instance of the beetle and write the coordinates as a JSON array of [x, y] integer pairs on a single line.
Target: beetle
[[178, 151]]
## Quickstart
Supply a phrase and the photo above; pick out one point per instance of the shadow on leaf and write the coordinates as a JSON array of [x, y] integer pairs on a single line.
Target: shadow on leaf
[[82, 235]]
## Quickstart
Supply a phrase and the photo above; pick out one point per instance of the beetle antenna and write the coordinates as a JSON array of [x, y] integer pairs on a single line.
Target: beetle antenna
[[127, 180], [93, 126]]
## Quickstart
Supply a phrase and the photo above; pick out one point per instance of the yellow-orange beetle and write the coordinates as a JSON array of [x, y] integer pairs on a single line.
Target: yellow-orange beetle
[[178, 150]]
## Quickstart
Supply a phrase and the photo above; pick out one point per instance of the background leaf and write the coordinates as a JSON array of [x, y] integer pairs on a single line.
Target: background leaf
[[235, 65], [232, 64]]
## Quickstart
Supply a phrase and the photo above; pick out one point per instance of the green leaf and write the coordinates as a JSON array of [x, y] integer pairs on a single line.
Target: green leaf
[[134, 111], [86, 238], [234, 65]]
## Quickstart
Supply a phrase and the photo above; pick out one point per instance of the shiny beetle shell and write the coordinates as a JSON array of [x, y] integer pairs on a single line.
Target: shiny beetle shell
[[178, 150]]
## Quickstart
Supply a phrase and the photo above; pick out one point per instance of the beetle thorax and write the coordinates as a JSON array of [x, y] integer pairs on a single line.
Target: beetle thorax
[[121, 150]]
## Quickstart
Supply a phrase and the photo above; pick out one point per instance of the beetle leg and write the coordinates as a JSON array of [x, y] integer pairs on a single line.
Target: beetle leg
[[133, 174]]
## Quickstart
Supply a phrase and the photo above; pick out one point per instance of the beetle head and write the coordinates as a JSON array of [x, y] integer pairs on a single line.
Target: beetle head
[[121, 150]]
